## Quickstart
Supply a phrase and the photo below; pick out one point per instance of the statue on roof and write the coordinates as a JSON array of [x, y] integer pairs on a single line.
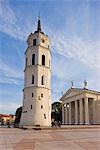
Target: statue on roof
[[85, 84], [72, 84]]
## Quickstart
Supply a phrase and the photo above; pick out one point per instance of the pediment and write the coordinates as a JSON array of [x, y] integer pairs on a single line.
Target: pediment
[[73, 92]]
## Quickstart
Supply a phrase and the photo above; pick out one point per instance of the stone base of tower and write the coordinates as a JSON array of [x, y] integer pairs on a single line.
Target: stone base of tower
[[27, 120], [40, 112]]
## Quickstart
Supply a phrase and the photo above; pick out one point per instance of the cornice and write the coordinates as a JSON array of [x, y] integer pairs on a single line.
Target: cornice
[[35, 87], [33, 66]]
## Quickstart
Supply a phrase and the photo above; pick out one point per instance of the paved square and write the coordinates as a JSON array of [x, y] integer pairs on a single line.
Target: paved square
[[62, 139]]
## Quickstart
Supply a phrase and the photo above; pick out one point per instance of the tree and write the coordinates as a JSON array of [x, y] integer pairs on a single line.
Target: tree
[[18, 116], [56, 111]]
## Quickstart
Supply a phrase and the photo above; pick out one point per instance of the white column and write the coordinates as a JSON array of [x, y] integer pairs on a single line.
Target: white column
[[62, 114], [70, 113], [81, 110], [86, 111], [94, 113], [76, 112], [66, 114]]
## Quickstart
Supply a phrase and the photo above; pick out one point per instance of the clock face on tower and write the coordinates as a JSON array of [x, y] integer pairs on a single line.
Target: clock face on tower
[[42, 40]]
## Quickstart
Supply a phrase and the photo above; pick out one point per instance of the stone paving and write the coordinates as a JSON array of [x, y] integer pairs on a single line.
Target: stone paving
[[62, 139]]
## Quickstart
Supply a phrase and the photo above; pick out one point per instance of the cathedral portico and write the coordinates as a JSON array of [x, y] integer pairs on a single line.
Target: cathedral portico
[[81, 106]]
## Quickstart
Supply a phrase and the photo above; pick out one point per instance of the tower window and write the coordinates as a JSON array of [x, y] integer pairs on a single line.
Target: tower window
[[41, 106], [44, 116], [42, 80], [31, 106], [32, 79], [33, 59], [41, 94], [43, 59], [32, 94], [34, 42]]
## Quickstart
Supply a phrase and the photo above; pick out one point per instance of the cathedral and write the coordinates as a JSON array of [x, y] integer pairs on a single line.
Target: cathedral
[[36, 109], [80, 106]]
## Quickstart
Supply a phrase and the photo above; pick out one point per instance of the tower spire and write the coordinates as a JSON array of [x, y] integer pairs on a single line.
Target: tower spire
[[39, 24]]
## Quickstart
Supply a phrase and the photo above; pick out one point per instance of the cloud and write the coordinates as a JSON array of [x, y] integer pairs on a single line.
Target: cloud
[[11, 80], [74, 59], [87, 52], [9, 74], [9, 107], [6, 13], [10, 24]]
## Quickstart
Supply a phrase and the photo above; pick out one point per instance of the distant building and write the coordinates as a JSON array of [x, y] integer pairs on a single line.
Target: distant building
[[80, 106], [36, 109], [5, 118]]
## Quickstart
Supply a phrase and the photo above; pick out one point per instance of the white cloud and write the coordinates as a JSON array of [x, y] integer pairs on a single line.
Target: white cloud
[[10, 24], [9, 107], [11, 80], [9, 74], [75, 49], [6, 13], [87, 52]]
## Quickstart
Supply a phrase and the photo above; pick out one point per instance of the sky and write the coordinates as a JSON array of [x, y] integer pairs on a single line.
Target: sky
[[74, 30]]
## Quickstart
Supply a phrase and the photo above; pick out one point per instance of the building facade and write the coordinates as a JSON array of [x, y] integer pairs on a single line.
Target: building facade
[[80, 106], [36, 109], [7, 119]]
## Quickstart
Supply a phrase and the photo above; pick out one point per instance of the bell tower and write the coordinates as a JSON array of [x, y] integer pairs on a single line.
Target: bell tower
[[36, 109]]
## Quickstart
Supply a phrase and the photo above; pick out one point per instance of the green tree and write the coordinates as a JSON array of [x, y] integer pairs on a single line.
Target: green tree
[[56, 111], [17, 116]]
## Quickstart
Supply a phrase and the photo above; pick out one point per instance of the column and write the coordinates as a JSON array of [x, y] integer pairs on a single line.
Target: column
[[86, 111], [66, 119], [76, 112], [70, 113], [81, 110], [62, 114], [94, 113]]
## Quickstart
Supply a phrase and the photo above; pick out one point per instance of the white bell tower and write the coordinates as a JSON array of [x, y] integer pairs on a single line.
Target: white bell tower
[[36, 109]]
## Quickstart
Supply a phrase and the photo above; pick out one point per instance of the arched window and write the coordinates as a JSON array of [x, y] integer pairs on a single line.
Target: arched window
[[41, 94], [43, 59], [32, 94], [42, 80], [44, 116], [33, 59], [34, 42], [32, 79]]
